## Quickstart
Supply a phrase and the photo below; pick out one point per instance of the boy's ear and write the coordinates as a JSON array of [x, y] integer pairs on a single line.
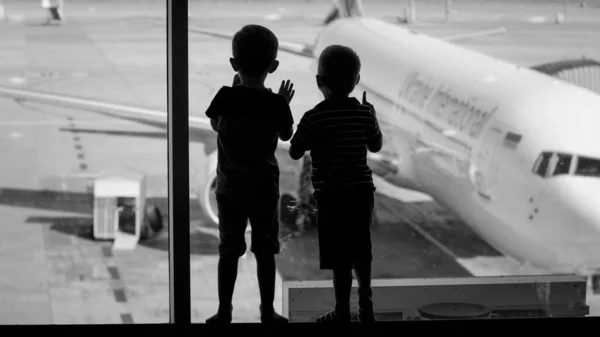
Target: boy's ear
[[357, 79], [234, 64], [320, 81], [273, 66]]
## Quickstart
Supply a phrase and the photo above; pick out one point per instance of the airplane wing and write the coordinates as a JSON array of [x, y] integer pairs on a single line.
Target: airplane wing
[[479, 33], [200, 129], [306, 50], [290, 47]]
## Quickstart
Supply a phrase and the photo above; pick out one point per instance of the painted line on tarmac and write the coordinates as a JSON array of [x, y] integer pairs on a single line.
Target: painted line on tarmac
[[118, 286]]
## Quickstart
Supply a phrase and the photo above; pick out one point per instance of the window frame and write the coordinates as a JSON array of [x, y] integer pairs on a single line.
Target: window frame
[[538, 162], [576, 165], [571, 162], [178, 161]]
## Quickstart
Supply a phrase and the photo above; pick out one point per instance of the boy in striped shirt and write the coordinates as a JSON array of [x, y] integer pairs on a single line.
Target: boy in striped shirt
[[338, 132]]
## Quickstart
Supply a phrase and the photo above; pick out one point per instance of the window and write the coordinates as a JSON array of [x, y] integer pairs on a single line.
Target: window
[[563, 164], [551, 164], [413, 236], [589, 167], [69, 248], [541, 165], [83, 123]]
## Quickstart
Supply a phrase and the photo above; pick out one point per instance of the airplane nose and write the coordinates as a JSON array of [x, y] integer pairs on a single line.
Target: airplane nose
[[577, 207], [583, 197]]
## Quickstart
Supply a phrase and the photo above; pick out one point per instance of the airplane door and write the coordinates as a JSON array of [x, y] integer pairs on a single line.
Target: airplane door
[[486, 168]]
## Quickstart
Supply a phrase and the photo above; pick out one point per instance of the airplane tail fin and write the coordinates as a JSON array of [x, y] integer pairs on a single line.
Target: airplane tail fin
[[345, 9], [350, 8]]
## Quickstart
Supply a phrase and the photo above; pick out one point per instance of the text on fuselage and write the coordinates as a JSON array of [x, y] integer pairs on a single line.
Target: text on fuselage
[[440, 101]]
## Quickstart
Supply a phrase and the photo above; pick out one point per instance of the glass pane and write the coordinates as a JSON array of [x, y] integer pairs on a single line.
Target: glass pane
[[588, 167], [544, 161], [84, 195], [441, 140], [563, 165]]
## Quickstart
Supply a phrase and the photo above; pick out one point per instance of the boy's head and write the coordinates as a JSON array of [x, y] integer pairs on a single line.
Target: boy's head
[[339, 71], [254, 51]]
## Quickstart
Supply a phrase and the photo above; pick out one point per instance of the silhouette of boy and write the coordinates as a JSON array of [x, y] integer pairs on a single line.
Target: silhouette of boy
[[338, 132], [248, 119]]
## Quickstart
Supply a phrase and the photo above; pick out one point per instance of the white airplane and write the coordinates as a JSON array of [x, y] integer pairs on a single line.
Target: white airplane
[[511, 151]]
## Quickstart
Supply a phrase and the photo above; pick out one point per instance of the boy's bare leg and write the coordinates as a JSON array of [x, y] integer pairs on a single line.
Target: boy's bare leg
[[266, 273], [228, 269], [342, 285], [362, 270]]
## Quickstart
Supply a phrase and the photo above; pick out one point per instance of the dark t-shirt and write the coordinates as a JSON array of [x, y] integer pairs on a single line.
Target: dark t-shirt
[[337, 133], [249, 120]]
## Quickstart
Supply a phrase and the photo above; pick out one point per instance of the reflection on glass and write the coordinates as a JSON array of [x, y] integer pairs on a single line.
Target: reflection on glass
[[433, 217], [83, 196]]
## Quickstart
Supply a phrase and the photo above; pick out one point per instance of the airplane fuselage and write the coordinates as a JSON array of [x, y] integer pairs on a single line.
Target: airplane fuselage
[[470, 130]]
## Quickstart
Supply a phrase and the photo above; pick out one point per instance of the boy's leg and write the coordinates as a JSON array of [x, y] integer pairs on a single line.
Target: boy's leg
[[333, 252], [362, 270], [232, 227], [342, 287], [264, 219], [364, 204]]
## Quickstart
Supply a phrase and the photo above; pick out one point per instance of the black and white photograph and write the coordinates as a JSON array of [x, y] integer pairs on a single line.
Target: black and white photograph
[[348, 161]]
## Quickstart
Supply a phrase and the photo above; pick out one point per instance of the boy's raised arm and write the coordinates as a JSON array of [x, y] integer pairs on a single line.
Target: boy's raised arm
[[286, 124], [375, 141], [302, 140], [286, 129], [375, 138]]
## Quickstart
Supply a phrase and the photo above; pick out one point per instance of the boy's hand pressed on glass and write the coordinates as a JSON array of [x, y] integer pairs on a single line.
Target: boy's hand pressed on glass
[[287, 90]]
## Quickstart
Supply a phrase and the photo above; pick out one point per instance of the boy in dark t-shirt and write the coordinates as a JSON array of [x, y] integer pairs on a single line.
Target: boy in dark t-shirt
[[248, 119], [338, 132]]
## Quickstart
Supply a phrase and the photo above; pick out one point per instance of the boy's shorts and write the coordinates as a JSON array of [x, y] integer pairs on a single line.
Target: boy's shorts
[[344, 218], [262, 209]]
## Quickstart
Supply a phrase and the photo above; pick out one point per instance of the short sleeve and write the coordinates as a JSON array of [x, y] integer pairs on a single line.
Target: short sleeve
[[216, 105], [305, 134]]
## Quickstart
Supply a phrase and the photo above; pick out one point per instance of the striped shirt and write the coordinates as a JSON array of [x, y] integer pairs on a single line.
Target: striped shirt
[[338, 133]]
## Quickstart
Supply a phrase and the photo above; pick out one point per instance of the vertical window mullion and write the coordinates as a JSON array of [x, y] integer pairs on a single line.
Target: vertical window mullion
[[178, 148]]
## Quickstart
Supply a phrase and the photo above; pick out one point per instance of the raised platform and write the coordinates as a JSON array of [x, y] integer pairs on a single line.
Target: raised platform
[[401, 299]]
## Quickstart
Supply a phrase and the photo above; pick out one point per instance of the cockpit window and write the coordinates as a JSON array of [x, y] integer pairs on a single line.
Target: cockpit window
[[563, 165], [589, 167], [541, 165], [551, 164]]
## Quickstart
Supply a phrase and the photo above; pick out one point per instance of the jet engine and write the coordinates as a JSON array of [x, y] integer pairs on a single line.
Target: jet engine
[[290, 185]]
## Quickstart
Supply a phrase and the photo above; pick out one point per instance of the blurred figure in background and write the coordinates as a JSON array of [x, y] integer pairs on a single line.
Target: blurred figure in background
[[55, 11], [333, 14], [344, 8], [1, 11]]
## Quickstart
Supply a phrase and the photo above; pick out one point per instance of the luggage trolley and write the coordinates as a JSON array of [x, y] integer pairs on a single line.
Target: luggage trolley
[[120, 210]]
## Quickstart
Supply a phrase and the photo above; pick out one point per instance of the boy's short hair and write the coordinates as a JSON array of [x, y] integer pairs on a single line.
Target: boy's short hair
[[254, 47], [340, 66]]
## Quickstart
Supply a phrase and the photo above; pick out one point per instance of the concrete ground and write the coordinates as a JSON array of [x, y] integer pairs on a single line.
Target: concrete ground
[[53, 272]]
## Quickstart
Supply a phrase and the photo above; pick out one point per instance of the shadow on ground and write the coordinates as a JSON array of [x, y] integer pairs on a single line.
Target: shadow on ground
[[81, 225], [398, 250]]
